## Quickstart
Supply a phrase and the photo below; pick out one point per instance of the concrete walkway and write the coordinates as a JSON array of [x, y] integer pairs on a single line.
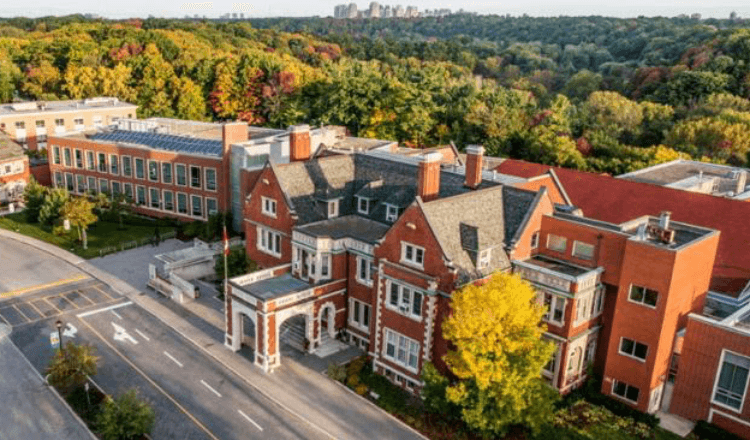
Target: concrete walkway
[[675, 424], [323, 403]]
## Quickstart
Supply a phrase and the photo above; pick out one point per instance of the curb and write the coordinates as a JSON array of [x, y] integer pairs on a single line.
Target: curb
[[379, 408]]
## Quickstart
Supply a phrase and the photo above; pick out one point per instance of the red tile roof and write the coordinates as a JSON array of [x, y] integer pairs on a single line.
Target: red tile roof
[[615, 200]]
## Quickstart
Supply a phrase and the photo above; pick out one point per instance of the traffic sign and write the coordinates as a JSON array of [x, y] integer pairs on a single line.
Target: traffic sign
[[54, 339]]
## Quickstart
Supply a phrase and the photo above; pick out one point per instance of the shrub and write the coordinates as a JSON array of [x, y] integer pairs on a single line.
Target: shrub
[[126, 417], [361, 389], [337, 372], [709, 431]]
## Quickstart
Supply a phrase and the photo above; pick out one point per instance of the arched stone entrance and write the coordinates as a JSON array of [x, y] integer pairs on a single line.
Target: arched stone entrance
[[326, 320]]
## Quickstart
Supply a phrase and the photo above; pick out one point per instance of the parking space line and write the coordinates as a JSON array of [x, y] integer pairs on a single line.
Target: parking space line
[[66, 299], [31, 304], [103, 292], [3, 318], [59, 312], [21, 313], [151, 381], [116, 314], [174, 360], [142, 335], [209, 387], [93, 312], [80, 294], [249, 419]]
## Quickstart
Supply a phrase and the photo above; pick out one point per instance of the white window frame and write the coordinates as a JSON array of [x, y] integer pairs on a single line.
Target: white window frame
[[333, 208], [562, 249], [356, 320], [577, 244], [554, 300], [407, 297], [67, 163], [268, 206], [391, 213], [127, 189], [632, 355], [716, 383], [177, 203], [90, 160], [171, 173], [216, 204], [401, 342], [643, 301], [75, 159], [112, 184], [415, 251], [135, 168], [148, 170], [92, 188], [151, 191], [145, 196], [190, 177], [72, 180], [102, 188], [597, 303], [80, 184], [555, 361], [192, 206], [205, 179], [484, 258], [367, 262], [99, 167], [59, 180], [56, 155], [176, 174], [164, 198], [627, 386], [114, 165], [122, 166], [266, 237], [363, 210]]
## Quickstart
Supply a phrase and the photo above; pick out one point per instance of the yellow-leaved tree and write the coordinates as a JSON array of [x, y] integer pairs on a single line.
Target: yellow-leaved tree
[[496, 330]]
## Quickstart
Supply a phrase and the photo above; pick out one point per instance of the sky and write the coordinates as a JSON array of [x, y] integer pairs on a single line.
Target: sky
[[300, 8]]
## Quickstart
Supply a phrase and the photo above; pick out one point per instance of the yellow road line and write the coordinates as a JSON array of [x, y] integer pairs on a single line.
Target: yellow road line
[[17, 292], [151, 381]]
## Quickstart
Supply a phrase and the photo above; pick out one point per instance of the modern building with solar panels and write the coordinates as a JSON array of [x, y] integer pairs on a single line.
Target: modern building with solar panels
[[182, 169]]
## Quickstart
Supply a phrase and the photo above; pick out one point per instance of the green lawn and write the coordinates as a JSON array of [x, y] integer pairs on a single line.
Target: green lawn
[[101, 234]]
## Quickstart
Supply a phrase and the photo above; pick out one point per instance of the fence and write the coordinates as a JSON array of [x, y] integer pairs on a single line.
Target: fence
[[125, 245]]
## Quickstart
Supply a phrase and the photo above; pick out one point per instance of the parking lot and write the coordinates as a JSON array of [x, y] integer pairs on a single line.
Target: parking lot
[[35, 305]]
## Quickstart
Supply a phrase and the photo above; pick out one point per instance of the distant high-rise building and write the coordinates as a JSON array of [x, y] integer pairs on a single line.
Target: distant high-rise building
[[399, 12], [387, 13], [351, 11], [374, 10]]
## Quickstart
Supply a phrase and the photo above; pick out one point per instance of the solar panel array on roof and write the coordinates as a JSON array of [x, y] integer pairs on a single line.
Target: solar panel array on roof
[[160, 141]]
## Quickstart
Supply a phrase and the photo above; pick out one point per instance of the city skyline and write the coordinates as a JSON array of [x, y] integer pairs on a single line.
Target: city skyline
[[295, 8]]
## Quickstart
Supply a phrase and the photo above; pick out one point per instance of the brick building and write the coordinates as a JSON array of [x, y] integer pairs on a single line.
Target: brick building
[[371, 245], [31, 123], [14, 170]]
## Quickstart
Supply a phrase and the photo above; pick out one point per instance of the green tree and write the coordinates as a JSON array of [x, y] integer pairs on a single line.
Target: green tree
[[80, 212], [497, 329], [126, 417], [70, 366], [49, 213], [237, 263], [33, 196]]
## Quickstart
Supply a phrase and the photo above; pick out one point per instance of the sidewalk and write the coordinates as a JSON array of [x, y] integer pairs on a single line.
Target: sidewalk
[[309, 395]]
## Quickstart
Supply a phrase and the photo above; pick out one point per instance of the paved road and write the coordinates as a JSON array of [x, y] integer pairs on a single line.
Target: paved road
[[24, 266]]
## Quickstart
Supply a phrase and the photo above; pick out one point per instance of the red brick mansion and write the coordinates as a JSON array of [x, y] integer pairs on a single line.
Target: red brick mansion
[[371, 245]]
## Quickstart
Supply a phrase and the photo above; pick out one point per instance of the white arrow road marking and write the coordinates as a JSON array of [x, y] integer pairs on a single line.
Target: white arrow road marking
[[249, 419], [122, 335], [70, 331], [142, 335], [209, 387], [173, 359]]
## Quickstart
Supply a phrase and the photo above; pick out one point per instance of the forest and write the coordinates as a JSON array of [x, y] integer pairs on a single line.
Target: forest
[[593, 93]]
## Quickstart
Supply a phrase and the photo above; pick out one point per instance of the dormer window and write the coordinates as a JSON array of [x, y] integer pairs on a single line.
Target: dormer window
[[391, 213], [268, 206], [363, 205], [484, 259], [333, 208], [411, 254]]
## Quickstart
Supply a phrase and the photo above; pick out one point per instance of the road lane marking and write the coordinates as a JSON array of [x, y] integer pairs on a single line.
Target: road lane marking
[[174, 360], [152, 382], [93, 312], [116, 314], [142, 335], [209, 387], [249, 419], [42, 286]]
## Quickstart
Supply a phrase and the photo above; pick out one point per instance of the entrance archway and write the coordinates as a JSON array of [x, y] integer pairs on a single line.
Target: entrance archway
[[293, 332], [327, 320]]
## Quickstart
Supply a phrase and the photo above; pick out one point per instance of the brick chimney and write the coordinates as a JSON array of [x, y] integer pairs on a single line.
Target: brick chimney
[[299, 143], [428, 183], [231, 133], [474, 156]]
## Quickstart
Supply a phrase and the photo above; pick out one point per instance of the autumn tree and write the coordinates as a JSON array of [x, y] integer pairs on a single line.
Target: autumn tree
[[496, 329], [80, 212], [71, 365]]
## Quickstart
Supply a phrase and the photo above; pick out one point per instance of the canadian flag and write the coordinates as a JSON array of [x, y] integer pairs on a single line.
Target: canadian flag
[[226, 242]]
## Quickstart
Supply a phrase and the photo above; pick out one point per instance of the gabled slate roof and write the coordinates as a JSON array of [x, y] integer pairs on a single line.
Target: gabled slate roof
[[385, 179], [481, 220]]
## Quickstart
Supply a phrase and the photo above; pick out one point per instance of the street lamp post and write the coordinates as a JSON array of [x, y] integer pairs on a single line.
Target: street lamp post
[[59, 324]]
